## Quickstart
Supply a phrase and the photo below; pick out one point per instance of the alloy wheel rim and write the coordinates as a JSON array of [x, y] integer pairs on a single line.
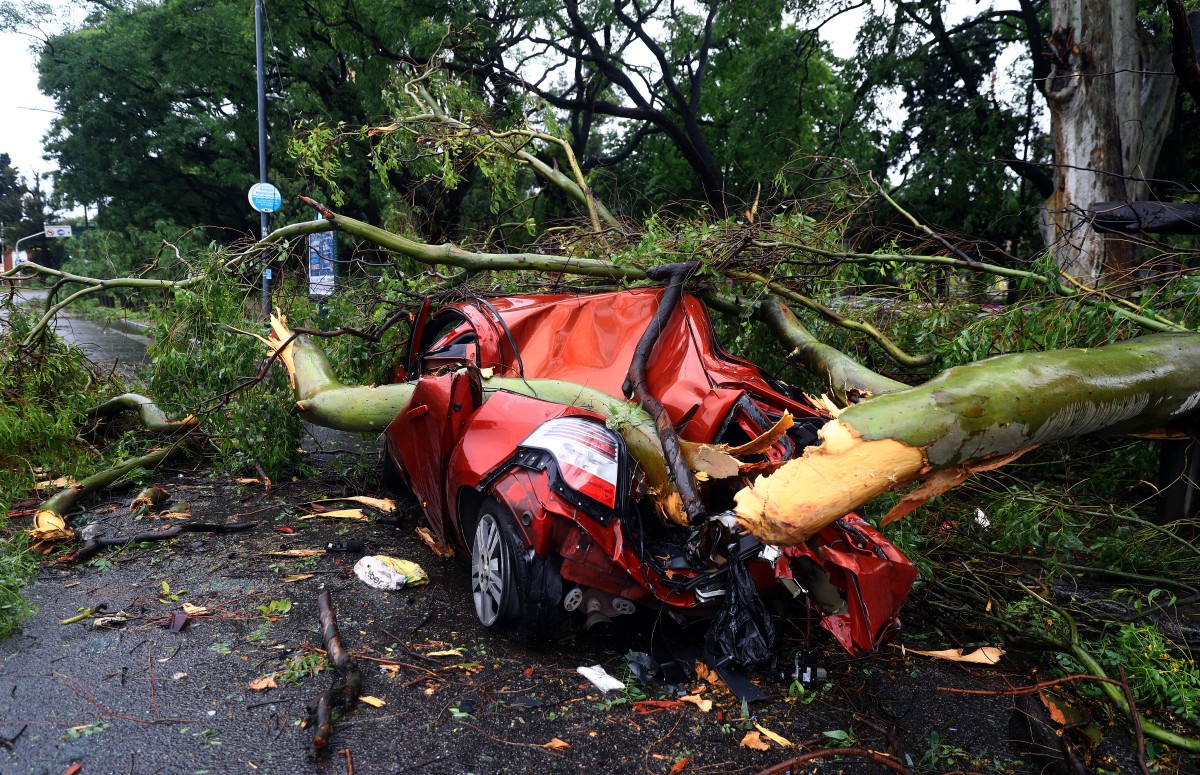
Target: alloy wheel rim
[[489, 570]]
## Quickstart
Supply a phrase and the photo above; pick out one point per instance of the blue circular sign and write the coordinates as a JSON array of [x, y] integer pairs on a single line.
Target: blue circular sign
[[264, 197]]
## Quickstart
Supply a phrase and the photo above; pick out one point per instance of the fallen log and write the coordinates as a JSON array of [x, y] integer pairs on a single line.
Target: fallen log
[[50, 521], [94, 546], [151, 417]]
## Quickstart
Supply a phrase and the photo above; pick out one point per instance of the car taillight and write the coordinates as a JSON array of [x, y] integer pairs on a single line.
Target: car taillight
[[586, 453]]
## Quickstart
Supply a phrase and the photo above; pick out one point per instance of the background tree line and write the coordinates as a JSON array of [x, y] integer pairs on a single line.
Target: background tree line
[[662, 103]]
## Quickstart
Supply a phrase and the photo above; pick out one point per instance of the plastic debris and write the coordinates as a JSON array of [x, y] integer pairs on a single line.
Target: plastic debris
[[742, 632], [600, 677], [112, 622], [389, 573], [525, 703], [345, 546], [91, 530]]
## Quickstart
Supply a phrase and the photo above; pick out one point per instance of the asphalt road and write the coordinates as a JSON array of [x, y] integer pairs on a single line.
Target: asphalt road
[[113, 344]]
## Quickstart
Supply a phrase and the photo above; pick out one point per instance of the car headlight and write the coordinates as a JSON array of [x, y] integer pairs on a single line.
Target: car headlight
[[586, 453]]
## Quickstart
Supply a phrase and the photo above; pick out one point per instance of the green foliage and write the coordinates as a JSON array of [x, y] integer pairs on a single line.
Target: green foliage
[[154, 251], [1161, 673], [302, 666], [274, 609], [199, 367], [44, 392]]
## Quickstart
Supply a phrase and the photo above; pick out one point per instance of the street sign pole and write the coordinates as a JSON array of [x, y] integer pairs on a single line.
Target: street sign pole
[[262, 146]]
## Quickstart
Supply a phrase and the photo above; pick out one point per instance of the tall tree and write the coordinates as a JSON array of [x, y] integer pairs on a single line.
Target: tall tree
[[708, 89]]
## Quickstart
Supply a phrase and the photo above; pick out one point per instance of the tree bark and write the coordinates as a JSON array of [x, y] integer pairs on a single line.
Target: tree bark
[[1109, 111]]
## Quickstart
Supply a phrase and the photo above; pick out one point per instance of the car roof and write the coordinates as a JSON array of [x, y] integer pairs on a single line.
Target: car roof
[[589, 339]]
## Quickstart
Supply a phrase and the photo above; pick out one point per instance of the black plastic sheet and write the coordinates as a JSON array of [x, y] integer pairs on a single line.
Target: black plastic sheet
[[742, 633]]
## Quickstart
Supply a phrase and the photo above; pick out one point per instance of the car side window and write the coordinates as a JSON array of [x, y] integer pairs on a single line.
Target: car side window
[[451, 342]]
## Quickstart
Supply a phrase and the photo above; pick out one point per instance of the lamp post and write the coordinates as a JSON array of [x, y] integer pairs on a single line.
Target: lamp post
[[262, 147]]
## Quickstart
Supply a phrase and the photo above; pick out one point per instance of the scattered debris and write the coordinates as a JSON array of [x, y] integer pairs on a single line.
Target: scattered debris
[[55, 484], [525, 703], [94, 546], [196, 610], [647, 707], [386, 505], [600, 677], [84, 613], [91, 530], [374, 702], [754, 740], [264, 683], [346, 546], [348, 681], [353, 514], [150, 497], [436, 546], [113, 622], [179, 621], [446, 653], [556, 745], [702, 704], [9, 742], [389, 573], [293, 553], [985, 655], [294, 577], [778, 740]]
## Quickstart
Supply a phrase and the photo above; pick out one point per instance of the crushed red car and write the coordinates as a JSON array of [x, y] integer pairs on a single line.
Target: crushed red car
[[551, 507]]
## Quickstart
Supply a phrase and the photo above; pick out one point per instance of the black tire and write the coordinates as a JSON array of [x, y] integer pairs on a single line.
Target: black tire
[[390, 478], [514, 591]]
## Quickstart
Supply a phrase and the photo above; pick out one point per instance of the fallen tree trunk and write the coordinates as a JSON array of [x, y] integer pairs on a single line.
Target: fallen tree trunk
[[967, 419], [151, 417], [972, 418]]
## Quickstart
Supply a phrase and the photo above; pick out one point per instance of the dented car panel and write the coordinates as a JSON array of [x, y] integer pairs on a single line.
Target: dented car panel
[[574, 523]]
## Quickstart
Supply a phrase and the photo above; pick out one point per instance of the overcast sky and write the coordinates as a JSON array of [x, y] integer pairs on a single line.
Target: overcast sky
[[21, 130]]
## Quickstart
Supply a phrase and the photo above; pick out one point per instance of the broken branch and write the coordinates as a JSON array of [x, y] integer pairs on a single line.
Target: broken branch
[[348, 684], [972, 418], [50, 521]]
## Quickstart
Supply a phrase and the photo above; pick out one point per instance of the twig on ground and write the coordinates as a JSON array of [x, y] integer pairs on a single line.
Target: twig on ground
[[875, 756], [1139, 735]]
